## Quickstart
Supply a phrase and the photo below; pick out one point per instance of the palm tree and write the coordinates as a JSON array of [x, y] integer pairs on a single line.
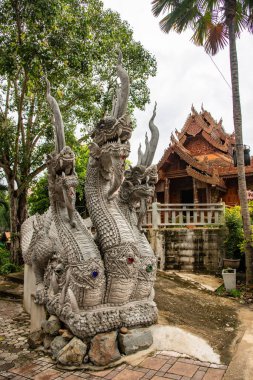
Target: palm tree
[[216, 23]]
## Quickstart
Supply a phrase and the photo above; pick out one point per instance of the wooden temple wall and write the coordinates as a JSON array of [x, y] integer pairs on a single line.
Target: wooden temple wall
[[206, 193], [231, 197], [177, 186]]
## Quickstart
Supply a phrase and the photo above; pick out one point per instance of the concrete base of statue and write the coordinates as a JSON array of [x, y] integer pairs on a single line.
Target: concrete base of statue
[[37, 312], [29, 288]]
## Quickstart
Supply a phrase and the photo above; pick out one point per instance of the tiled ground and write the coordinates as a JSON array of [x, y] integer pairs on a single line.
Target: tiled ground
[[14, 329], [162, 366], [18, 362]]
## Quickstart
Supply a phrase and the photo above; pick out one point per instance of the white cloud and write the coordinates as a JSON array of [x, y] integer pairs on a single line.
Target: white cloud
[[185, 76]]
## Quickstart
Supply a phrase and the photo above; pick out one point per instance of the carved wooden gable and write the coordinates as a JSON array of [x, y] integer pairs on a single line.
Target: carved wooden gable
[[193, 128], [198, 146]]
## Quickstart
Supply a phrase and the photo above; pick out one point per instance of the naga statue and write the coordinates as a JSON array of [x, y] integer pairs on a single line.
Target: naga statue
[[96, 284], [137, 187]]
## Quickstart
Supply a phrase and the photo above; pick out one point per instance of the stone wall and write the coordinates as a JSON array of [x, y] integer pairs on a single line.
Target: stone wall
[[196, 249]]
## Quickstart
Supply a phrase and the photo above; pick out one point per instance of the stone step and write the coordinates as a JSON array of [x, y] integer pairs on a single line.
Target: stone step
[[10, 290], [15, 277]]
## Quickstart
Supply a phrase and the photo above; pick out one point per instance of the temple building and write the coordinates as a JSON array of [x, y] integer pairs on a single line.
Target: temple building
[[198, 165]]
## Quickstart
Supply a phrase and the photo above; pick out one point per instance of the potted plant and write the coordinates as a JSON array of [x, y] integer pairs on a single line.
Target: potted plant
[[234, 240]]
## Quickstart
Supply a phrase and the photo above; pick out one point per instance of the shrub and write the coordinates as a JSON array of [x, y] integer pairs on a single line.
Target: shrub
[[251, 210], [6, 266], [235, 239], [235, 293]]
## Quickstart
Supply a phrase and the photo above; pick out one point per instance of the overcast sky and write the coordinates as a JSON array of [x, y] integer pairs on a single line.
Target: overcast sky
[[185, 76]]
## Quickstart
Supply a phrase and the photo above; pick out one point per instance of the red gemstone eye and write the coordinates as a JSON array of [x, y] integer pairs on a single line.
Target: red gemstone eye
[[130, 260]]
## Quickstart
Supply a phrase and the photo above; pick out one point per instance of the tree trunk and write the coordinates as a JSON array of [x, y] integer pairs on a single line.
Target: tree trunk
[[18, 214], [242, 187]]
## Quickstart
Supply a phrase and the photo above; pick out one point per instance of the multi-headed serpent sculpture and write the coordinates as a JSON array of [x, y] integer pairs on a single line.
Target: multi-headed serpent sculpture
[[103, 284]]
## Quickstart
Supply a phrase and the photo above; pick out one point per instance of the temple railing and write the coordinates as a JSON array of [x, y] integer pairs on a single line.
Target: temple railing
[[184, 214]]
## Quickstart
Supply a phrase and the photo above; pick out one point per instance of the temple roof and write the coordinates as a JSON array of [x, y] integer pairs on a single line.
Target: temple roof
[[212, 180], [210, 129], [205, 146]]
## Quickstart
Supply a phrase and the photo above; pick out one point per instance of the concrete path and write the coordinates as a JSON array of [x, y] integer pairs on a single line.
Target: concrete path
[[241, 366], [203, 281]]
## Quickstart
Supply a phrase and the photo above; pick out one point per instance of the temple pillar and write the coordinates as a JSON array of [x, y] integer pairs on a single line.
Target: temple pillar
[[208, 194], [195, 191], [167, 191]]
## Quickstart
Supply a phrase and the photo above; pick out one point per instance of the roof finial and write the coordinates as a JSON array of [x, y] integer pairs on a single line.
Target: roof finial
[[194, 112]]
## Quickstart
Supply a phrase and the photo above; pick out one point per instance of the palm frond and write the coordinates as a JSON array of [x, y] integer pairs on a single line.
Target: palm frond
[[248, 12], [180, 16], [213, 4], [162, 6], [217, 38], [200, 29], [250, 23], [248, 5]]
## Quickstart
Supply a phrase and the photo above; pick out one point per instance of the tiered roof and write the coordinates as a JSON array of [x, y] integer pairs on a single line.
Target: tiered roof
[[212, 163]]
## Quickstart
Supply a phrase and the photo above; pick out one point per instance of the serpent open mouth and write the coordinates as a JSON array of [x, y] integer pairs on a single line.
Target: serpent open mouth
[[109, 130]]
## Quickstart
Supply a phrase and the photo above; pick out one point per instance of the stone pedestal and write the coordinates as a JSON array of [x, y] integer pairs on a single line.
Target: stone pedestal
[[38, 314], [29, 288], [134, 341]]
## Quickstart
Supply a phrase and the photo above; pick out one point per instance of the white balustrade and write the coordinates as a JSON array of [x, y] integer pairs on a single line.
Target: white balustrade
[[178, 214]]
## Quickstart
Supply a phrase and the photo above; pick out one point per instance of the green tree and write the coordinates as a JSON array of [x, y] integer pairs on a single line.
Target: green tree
[[82, 157], [215, 24], [73, 43], [38, 200], [4, 209]]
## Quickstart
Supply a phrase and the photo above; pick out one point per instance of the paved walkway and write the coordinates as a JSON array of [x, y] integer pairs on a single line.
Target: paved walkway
[[18, 362], [161, 366]]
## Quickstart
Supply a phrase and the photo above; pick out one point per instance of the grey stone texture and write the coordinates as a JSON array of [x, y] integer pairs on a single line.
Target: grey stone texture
[[35, 339], [51, 326], [47, 340], [57, 345], [135, 340], [66, 334], [72, 353], [104, 349]]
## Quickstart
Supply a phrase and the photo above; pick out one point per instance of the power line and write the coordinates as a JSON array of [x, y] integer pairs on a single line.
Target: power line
[[220, 72]]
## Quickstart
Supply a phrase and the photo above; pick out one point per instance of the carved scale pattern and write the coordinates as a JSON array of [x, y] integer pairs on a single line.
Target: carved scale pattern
[[105, 224], [146, 257], [115, 237], [82, 254]]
